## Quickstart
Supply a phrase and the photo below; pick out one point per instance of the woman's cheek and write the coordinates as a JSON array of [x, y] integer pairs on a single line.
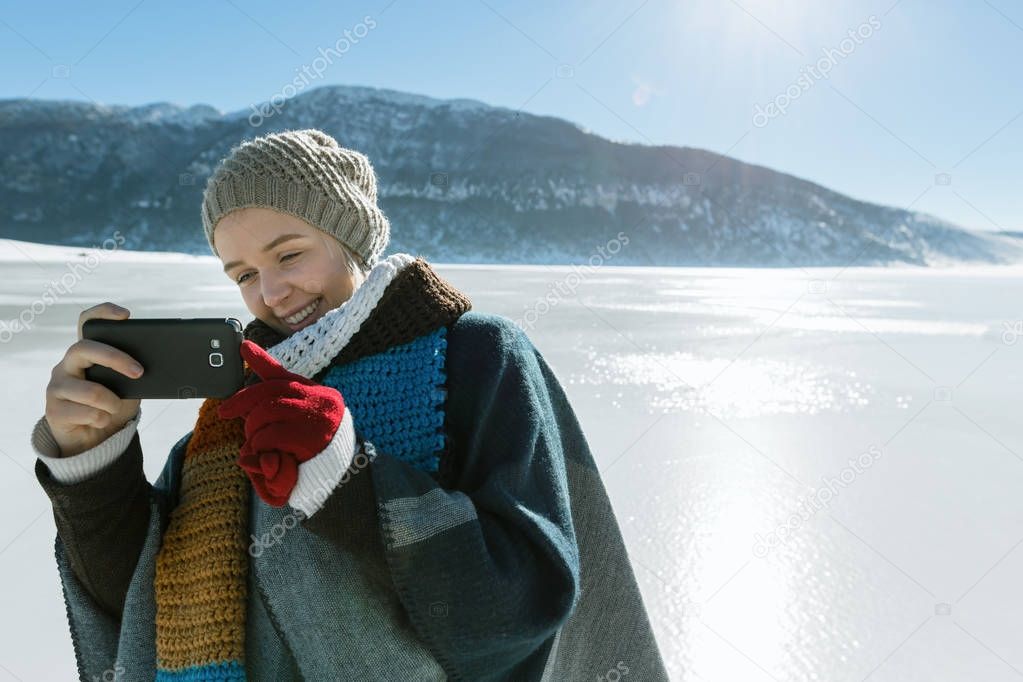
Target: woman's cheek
[[252, 300], [312, 279]]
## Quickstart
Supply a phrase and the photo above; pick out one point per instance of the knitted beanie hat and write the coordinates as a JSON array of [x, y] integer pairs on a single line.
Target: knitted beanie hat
[[307, 174]]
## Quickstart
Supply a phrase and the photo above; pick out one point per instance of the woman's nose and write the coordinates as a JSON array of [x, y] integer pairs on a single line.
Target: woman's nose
[[274, 289]]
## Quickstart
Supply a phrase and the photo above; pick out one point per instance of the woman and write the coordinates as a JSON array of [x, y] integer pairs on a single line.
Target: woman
[[426, 506]]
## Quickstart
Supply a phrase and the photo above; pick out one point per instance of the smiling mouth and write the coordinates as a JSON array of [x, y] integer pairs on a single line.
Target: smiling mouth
[[304, 315]]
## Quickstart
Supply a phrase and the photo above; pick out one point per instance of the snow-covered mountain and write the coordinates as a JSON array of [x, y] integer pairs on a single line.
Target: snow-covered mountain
[[461, 181]]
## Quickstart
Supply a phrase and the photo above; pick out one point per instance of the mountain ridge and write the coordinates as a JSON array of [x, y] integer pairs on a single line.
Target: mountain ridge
[[460, 181]]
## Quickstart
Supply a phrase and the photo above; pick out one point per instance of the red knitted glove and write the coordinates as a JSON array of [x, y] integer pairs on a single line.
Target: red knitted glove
[[288, 419]]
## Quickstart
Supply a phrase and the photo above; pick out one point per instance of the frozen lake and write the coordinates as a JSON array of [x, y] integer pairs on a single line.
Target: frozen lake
[[817, 471]]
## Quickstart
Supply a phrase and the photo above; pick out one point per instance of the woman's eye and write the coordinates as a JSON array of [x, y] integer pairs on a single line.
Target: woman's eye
[[283, 258]]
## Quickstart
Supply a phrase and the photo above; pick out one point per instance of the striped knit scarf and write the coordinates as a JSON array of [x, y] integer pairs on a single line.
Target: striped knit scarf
[[392, 330]]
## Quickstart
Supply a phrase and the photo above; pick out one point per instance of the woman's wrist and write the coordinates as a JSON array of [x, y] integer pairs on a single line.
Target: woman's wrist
[[75, 468]]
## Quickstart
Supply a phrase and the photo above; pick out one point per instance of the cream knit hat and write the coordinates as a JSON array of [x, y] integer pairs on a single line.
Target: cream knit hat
[[307, 174]]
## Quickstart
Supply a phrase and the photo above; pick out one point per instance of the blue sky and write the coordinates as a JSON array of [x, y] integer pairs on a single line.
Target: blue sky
[[921, 107]]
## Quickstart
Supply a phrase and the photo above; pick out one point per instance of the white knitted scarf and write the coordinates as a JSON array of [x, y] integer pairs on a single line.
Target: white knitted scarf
[[311, 348]]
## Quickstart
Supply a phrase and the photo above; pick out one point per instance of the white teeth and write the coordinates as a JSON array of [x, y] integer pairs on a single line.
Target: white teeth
[[301, 315]]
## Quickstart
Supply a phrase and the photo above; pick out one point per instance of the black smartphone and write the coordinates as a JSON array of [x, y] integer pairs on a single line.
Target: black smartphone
[[181, 357]]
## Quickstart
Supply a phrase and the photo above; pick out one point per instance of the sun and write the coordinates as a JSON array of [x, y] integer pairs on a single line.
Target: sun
[[760, 27]]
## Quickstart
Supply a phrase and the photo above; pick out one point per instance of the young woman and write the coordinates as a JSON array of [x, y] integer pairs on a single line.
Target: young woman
[[426, 506]]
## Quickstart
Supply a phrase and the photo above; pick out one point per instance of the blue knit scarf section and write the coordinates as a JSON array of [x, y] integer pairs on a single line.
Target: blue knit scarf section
[[397, 398]]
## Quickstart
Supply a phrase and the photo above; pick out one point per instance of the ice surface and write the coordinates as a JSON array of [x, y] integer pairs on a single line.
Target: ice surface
[[722, 405]]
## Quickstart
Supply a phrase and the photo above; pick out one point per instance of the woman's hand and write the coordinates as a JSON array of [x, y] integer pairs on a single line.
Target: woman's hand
[[289, 419], [81, 413]]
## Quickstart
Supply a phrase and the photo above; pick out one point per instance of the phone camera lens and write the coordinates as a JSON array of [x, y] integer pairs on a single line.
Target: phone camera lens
[[216, 360]]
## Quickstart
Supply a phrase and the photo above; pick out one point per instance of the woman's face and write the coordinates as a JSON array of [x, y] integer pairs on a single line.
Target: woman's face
[[281, 264]]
